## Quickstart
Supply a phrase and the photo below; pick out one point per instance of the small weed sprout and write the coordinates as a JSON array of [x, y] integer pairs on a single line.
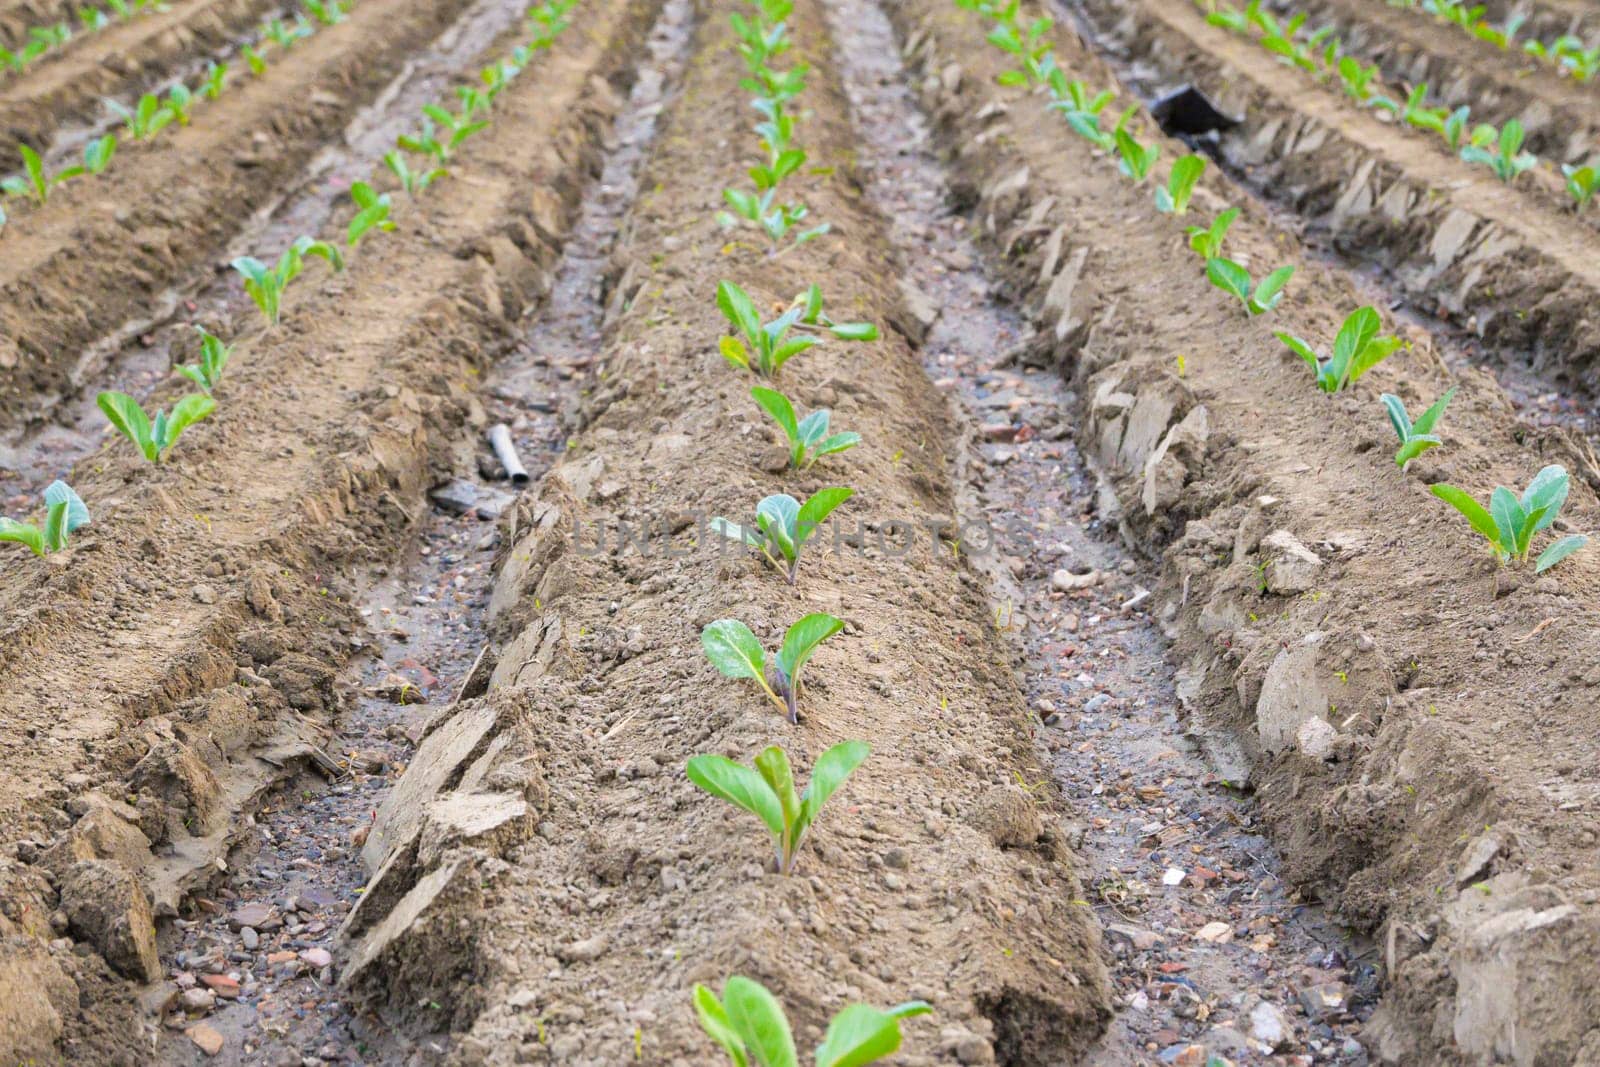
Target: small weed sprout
[[1358, 348], [809, 439], [154, 437], [1415, 437], [750, 1026], [64, 513], [1509, 522], [767, 791], [784, 524], [766, 347], [735, 652]]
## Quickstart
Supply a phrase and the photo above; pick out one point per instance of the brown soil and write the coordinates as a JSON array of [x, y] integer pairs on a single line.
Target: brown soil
[[124, 59], [166, 209], [163, 672], [1454, 811], [612, 885], [1459, 242]]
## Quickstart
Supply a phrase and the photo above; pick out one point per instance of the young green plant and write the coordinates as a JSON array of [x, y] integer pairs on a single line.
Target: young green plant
[[154, 437], [1173, 198], [737, 653], [1506, 158], [266, 285], [207, 373], [1509, 522], [809, 439], [784, 524], [767, 791], [1206, 241], [412, 181], [1359, 346], [64, 513], [766, 347], [1233, 279], [372, 211], [750, 1026], [1415, 437]]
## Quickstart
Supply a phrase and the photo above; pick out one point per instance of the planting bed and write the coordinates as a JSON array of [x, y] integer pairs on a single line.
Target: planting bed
[[1200, 731]]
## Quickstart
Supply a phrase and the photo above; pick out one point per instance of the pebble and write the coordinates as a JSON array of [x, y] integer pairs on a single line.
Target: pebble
[[317, 957], [249, 938], [206, 1038], [1270, 1026]]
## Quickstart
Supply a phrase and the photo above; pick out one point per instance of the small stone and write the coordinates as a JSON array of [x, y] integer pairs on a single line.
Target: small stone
[[197, 1001], [896, 858], [223, 986], [255, 916], [205, 1038], [584, 951], [317, 957], [1218, 933], [249, 938], [1173, 876], [204, 594], [1324, 1001], [1316, 738], [1291, 566], [1270, 1026], [1066, 581]]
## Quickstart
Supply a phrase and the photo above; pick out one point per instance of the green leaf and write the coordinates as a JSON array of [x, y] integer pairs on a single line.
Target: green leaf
[[129, 418], [738, 785], [1425, 422], [733, 650], [1357, 331], [828, 774], [734, 351], [1302, 349], [854, 331], [1508, 516], [791, 348], [861, 1034], [185, 413], [1269, 291], [814, 427], [739, 309], [1476, 514], [775, 771], [22, 533], [1228, 276], [75, 512], [1413, 447], [1185, 175], [1547, 491], [838, 442], [758, 1019], [777, 405], [816, 510], [714, 1021], [1397, 415], [1559, 551], [802, 640]]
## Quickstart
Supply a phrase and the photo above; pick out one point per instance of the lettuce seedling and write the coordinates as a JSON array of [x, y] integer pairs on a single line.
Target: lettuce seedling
[[1506, 159], [1509, 523], [285, 35], [749, 1025], [1136, 159], [735, 652], [1357, 349], [1415, 437], [253, 60], [1207, 240], [179, 101], [213, 358], [147, 118], [327, 12], [373, 212], [784, 524], [766, 347], [266, 286], [774, 220], [809, 439], [457, 129], [154, 437], [1359, 83], [412, 181], [767, 791], [1231, 278], [64, 513], [215, 80], [1173, 198], [1582, 183]]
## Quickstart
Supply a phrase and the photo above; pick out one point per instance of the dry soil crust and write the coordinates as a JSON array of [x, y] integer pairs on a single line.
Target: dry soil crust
[[159, 675], [103, 249], [1420, 725], [1505, 260], [129, 57], [545, 872]]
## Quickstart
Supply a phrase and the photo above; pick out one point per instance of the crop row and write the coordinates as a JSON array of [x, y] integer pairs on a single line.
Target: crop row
[[42, 40], [1567, 53], [1510, 520], [1319, 53], [154, 435], [152, 113]]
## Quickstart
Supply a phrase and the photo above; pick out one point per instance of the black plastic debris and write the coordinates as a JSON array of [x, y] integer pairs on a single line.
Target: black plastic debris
[[1188, 111]]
